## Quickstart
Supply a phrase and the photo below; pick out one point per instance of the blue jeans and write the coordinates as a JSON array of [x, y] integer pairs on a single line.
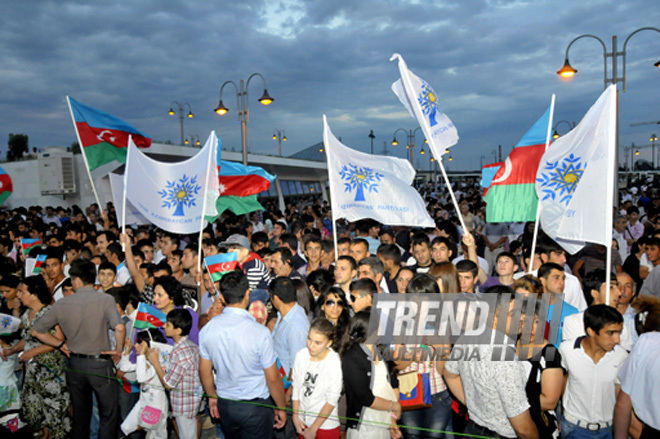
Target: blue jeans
[[572, 431], [437, 417]]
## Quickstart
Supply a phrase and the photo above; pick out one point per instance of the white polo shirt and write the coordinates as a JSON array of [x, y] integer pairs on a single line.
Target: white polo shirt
[[590, 390], [640, 377], [574, 328]]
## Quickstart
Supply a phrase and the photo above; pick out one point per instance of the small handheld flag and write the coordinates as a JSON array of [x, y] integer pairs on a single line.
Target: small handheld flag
[[29, 244], [221, 264], [9, 324], [41, 260], [149, 317]]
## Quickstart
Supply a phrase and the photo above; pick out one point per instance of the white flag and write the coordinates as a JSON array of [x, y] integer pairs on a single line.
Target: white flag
[[372, 186], [133, 216], [575, 180], [171, 195], [422, 103]]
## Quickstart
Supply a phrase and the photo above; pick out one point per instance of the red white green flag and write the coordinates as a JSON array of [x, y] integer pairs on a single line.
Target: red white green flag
[[103, 137], [239, 186], [221, 264], [512, 192]]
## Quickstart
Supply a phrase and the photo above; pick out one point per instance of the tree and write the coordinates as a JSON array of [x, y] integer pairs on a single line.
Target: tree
[[75, 148], [18, 145]]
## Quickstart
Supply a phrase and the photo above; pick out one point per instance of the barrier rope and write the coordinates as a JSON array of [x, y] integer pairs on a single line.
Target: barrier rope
[[202, 394]]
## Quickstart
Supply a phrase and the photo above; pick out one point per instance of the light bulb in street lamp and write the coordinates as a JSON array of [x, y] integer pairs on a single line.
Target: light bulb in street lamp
[[567, 71], [653, 138], [555, 135], [265, 98], [186, 142], [199, 143], [637, 152], [394, 142], [432, 159], [446, 150], [422, 151], [451, 159], [426, 141], [657, 64], [190, 115], [221, 109], [321, 149], [171, 112], [274, 136], [284, 139]]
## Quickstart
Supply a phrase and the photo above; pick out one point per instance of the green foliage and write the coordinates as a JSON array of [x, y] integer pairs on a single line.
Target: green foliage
[[18, 145]]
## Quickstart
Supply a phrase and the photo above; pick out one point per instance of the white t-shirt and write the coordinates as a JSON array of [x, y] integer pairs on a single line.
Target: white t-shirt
[[316, 383]]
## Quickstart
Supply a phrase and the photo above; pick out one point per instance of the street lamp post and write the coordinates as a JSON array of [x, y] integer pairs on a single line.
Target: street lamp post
[[410, 141], [372, 137], [193, 140], [181, 107], [555, 134], [567, 71], [653, 139], [243, 106], [280, 136]]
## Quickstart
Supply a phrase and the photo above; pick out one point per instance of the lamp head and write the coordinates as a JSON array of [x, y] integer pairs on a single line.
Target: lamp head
[[422, 151], [190, 115], [284, 139], [637, 152], [555, 135], [394, 142], [221, 109], [274, 136], [451, 159], [566, 71], [657, 64], [186, 142], [198, 143], [265, 98], [653, 138], [171, 112]]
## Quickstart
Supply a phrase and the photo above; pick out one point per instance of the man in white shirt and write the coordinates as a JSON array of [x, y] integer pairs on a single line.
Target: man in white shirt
[[592, 363]]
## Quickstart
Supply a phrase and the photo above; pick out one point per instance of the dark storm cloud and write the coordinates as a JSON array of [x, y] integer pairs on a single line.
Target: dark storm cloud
[[492, 64]]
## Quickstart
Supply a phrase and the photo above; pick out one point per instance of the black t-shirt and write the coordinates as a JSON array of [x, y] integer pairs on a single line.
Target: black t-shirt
[[546, 421]]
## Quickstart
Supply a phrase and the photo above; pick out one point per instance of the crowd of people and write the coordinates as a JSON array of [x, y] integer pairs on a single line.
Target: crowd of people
[[280, 346]]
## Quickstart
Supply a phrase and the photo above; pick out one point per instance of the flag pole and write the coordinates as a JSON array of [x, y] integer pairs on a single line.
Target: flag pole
[[451, 194], [123, 201], [82, 151], [611, 173], [206, 188], [530, 267]]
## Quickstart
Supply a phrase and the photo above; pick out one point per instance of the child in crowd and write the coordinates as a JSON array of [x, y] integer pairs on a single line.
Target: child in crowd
[[317, 383], [150, 412], [182, 377]]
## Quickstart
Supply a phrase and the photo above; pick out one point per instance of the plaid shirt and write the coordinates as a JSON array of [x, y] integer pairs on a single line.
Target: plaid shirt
[[183, 377]]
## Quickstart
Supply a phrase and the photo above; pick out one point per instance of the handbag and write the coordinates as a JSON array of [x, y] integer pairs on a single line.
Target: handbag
[[150, 416], [414, 391]]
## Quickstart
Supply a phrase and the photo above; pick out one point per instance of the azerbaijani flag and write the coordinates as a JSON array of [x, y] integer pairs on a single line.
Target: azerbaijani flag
[[103, 137], [512, 193], [29, 243], [41, 259], [239, 186], [221, 264], [149, 317], [487, 174], [6, 187]]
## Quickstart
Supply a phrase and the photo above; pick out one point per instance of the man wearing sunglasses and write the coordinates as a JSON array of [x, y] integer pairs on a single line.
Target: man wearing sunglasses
[[362, 292]]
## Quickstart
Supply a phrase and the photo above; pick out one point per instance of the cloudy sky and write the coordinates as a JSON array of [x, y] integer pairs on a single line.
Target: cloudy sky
[[491, 62]]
